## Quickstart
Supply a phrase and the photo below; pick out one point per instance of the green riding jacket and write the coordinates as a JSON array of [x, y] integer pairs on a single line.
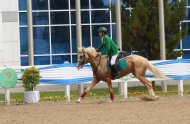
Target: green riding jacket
[[108, 46]]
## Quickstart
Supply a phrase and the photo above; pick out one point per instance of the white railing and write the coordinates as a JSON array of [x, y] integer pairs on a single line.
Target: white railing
[[67, 74]]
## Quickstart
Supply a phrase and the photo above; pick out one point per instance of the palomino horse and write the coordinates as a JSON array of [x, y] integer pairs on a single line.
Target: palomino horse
[[137, 65]]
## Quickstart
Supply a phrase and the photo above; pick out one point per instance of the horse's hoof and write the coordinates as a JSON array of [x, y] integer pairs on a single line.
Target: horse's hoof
[[150, 98], [77, 101]]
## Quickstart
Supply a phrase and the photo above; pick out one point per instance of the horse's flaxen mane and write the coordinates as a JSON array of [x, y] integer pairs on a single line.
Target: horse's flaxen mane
[[80, 49], [89, 50]]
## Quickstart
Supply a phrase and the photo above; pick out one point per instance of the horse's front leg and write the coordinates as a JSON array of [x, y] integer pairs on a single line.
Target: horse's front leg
[[110, 89], [93, 83]]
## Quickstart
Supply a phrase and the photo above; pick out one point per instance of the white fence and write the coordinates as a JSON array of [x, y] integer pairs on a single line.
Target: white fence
[[67, 74]]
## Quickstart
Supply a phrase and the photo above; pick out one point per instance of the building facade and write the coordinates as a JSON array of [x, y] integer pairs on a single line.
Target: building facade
[[9, 33], [54, 29]]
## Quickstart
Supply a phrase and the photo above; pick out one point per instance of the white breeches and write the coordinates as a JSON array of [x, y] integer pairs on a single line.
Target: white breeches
[[113, 58]]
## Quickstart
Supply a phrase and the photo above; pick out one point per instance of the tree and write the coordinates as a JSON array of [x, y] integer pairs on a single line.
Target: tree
[[140, 28]]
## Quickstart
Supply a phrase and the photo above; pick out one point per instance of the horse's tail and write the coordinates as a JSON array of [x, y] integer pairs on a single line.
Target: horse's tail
[[157, 73]]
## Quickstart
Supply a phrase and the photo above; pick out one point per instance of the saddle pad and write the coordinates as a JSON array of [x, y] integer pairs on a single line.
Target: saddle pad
[[122, 64]]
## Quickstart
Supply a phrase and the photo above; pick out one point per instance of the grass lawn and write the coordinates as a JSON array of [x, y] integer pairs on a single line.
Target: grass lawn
[[96, 93]]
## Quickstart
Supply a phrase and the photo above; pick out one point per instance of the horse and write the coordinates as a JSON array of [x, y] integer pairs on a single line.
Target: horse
[[137, 65]]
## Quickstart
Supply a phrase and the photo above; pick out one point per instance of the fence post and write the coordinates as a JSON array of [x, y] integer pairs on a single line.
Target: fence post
[[125, 88], [164, 86], [120, 88], [180, 88], [67, 93], [7, 96]]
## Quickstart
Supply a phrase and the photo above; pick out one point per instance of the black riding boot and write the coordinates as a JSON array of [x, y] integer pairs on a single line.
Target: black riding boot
[[114, 72]]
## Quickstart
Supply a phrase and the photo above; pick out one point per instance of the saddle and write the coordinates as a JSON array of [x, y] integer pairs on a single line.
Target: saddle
[[120, 63], [121, 55]]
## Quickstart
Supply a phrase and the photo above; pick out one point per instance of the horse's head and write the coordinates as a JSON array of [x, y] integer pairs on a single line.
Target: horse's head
[[82, 58], [84, 55]]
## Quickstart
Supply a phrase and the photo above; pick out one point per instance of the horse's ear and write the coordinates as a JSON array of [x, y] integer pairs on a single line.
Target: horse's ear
[[83, 50]]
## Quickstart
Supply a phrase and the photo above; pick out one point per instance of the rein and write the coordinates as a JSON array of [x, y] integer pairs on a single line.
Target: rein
[[98, 62], [83, 61]]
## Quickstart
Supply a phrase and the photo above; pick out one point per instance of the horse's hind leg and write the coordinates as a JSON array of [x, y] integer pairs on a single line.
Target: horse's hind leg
[[148, 84]]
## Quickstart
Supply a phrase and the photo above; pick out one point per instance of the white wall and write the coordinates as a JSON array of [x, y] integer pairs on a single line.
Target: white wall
[[9, 33]]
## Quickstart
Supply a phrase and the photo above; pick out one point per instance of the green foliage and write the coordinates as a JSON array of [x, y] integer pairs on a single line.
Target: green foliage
[[140, 28], [31, 78]]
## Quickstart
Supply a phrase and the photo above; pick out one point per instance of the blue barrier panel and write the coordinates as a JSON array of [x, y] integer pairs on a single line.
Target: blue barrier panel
[[65, 74], [178, 69]]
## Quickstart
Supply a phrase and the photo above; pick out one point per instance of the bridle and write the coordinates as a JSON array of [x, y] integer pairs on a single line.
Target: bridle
[[82, 61]]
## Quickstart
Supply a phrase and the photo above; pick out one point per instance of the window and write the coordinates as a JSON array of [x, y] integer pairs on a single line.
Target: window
[[59, 59], [22, 5], [41, 60], [100, 3], [23, 40], [186, 42], [73, 17], [74, 40], [86, 36], [74, 58], [24, 61], [60, 39], [100, 16], [188, 14], [40, 18], [23, 18], [186, 54], [85, 17], [186, 39], [60, 17], [41, 40], [59, 4], [54, 28], [84, 4], [39, 4], [114, 32]]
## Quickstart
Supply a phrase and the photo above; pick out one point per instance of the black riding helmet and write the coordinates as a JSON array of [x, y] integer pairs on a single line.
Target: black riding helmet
[[102, 29]]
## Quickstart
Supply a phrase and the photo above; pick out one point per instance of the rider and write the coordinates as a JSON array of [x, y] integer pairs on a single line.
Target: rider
[[108, 47]]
